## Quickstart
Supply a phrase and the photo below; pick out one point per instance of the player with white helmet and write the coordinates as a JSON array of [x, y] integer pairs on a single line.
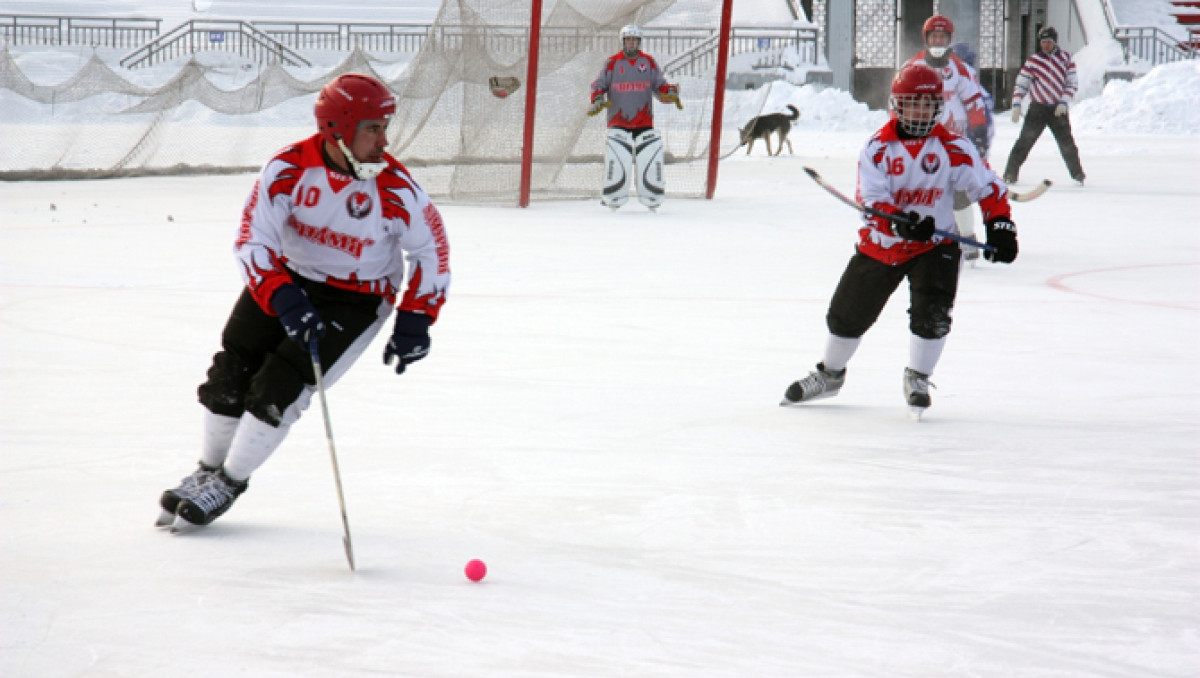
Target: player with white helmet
[[626, 87], [322, 245]]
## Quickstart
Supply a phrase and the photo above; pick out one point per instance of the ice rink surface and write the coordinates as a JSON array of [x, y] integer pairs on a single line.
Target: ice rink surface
[[598, 421]]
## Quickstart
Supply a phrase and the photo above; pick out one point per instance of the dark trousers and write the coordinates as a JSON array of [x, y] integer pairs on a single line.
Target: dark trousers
[[867, 284], [259, 370], [1041, 115]]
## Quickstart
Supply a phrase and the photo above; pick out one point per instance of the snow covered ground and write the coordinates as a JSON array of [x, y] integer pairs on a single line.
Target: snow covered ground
[[598, 421]]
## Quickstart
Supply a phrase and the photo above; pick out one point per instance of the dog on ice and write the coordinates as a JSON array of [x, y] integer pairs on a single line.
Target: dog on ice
[[763, 126]]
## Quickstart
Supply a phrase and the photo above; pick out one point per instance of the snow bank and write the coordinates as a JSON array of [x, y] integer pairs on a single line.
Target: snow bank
[[1164, 101]]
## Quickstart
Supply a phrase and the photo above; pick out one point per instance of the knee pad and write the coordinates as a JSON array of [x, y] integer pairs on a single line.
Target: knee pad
[[651, 184], [930, 322], [275, 388], [618, 167], [228, 381]]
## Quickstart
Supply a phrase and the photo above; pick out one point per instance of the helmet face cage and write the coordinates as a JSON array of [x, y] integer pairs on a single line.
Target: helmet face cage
[[917, 99], [347, 101], [937, 22], [917, 113]]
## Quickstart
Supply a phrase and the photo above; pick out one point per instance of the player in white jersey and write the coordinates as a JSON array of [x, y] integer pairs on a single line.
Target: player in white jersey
[[322, 246], [909, 169], [983, 143], [963, 112]]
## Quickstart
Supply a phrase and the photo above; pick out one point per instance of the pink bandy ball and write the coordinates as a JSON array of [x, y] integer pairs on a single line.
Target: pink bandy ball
[[475, 570]]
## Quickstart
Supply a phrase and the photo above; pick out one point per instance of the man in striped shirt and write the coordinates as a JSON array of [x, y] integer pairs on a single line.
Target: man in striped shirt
[[1049, 79]]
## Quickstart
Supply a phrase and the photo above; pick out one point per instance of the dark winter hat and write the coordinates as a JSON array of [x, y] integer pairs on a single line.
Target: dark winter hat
[[1048, 33]]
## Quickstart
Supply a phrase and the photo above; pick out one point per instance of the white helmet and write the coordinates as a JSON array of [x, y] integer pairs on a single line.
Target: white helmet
[[630, 31]]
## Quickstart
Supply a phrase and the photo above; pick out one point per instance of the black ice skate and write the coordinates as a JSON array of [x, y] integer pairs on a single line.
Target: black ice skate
[[820, 383], [916, 392], [186, 490], [210, 501]]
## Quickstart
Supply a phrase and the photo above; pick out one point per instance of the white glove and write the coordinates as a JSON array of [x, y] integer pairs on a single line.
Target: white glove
[[1060, 110], [1016, 113]]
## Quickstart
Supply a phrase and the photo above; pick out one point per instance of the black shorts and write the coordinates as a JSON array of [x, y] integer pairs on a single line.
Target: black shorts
[[867, 284], [259, 370]]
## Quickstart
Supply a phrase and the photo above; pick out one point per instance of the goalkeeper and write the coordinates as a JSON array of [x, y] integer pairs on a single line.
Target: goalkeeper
[[625, 86]]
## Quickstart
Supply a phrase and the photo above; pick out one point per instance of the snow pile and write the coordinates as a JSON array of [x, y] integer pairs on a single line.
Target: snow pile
[[823, 108], [1164, 101], [1097, 59]]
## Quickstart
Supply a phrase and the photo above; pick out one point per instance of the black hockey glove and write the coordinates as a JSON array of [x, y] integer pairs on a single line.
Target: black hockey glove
[[410, 340], [1001, 234], [915, 228], [297, 314], [978, 137]]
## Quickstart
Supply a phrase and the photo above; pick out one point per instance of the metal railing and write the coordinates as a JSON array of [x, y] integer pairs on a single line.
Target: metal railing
[[703, 55], [686, 50], [346, 37], [1154, 45], [33, 29], [513, 38], [195, 36]]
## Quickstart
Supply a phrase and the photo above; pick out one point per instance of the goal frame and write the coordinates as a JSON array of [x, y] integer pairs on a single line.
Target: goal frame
[[531, 89]]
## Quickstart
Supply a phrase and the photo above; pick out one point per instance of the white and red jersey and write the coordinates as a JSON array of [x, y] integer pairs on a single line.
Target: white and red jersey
[[349, 233], [963, 108], [631, 85], [898, 175]]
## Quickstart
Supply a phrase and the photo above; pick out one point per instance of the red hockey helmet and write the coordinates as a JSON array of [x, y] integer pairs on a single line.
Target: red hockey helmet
[[937, 22], [348, 100], [917, 98]]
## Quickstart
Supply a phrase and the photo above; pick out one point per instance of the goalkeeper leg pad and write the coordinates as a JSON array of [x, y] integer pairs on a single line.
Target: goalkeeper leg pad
[[618, 167], [651, 184]]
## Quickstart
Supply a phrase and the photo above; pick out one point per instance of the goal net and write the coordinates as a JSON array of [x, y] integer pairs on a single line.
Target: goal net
[[461, 90], [467, 135]]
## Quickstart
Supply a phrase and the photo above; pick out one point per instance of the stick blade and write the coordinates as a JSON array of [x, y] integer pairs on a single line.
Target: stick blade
[[1033, 193]]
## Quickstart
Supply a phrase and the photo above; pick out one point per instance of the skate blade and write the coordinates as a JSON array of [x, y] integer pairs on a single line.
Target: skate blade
[[181, 525], [915, 413], [165, 518]]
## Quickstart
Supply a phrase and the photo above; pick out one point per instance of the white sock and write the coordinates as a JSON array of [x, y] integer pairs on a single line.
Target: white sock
[[838, 351], [965, 219], [253, 444], [218, 434], [923, 354]]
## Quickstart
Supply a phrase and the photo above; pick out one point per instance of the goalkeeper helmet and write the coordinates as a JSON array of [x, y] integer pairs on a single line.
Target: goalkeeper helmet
[[631, 31], [348, 100], [917, 99]]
